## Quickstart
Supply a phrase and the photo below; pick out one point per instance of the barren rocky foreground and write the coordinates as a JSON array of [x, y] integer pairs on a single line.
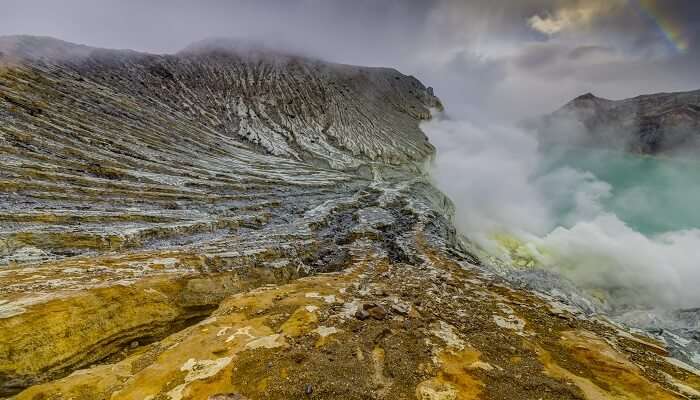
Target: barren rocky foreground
[[236, 223]]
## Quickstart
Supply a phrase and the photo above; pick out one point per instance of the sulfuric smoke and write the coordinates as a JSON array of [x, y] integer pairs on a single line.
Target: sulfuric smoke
[[592, 221]]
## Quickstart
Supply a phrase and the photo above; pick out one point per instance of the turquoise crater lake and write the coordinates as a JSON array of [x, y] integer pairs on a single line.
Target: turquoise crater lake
[[652, 195]]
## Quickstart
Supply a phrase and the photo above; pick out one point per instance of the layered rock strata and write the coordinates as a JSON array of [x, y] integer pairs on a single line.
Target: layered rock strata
[[234, 223]]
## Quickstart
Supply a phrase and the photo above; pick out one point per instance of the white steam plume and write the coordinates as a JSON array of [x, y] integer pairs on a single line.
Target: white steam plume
[[494, 176]]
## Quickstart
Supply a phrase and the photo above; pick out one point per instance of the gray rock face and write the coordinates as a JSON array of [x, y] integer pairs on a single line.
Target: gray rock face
[[298, 108], [650, 124], [120, 168], [125, 150]]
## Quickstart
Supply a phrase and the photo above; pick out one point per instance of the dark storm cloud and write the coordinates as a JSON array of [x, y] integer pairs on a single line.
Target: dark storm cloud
[[487, 55]]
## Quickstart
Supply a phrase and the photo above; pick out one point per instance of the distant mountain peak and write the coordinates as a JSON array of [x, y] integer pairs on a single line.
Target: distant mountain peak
[[587, 96], [651, 124], [586, 100]]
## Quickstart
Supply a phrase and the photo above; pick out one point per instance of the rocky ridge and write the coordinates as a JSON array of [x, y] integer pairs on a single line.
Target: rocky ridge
[[659, 123], [235, 223]]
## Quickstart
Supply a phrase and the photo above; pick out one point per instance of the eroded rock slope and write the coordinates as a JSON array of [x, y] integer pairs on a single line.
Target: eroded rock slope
[[233, 223]]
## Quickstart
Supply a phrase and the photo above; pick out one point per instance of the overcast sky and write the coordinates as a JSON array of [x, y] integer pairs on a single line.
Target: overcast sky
[[497, 58]]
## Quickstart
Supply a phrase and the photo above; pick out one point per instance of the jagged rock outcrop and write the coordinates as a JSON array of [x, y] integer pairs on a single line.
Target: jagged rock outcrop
[[238, 223], [650, 124]]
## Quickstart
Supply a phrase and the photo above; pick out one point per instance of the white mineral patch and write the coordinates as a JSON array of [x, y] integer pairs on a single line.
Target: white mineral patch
[[245, 331], [364, 291], [328, 299], [167, 262], [349, 309], [446, 332], [322, 209], [223, 331], [481, 365], [311, 308], [10, 310], [202, 369], [430, 391], [267, 342], [197, 370], [324, 331], [511, 322]]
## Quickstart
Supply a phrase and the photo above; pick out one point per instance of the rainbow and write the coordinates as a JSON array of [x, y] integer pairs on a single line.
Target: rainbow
[[672, 31]]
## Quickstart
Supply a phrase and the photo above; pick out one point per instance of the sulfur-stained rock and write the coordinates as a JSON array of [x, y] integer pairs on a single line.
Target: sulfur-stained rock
[[242, 350]]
